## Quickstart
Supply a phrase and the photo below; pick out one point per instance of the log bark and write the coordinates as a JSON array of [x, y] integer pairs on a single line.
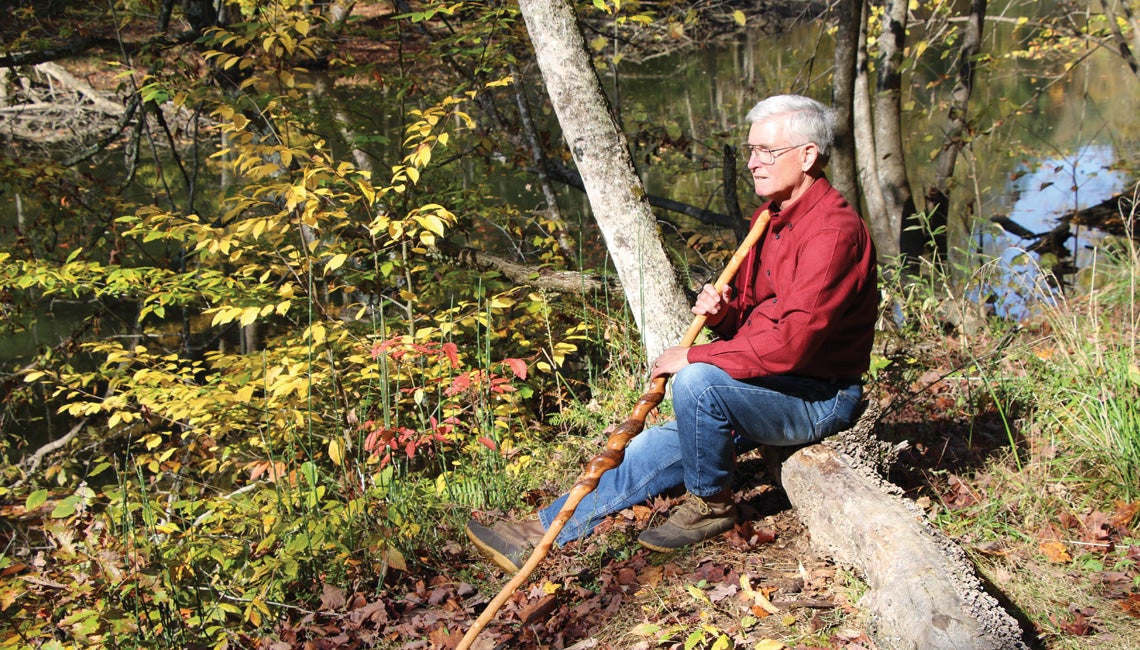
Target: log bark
[[922, 590]]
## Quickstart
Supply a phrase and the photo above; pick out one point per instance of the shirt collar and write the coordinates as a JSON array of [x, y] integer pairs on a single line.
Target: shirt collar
[[803, 205]]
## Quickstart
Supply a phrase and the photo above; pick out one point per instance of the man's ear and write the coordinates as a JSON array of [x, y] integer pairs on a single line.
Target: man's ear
[[809, 153]]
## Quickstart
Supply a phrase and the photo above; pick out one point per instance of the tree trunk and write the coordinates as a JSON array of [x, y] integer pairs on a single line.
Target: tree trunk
[[888, 133], [886, 242], [617, 197], [1122, 47], [538, 158], [938, 196], [923, 592], [844, 172]]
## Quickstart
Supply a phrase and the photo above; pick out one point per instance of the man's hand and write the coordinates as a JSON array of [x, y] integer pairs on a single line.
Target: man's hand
[[711, 304], [670, 361]]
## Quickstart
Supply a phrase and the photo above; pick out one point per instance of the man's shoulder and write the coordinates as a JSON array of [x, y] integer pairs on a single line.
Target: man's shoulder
[[832, 211]]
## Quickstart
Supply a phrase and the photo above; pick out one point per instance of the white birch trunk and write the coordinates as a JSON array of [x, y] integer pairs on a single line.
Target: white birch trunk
[[616, 194]]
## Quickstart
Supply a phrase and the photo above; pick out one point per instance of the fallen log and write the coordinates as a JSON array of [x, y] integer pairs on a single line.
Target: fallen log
[[923, 592]]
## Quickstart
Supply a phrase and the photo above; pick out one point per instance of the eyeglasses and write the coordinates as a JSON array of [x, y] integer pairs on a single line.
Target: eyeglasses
[[765, 155]]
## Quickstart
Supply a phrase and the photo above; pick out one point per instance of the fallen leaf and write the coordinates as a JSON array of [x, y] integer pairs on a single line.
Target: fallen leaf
[[646, 629], [1125, 513], [1079, 625], [650, 576], [539, 610], [332, 598], [995, 547], [626, 576], [758, 598], [768, 644], [1131, 605], [1055, 552], [722, 591]]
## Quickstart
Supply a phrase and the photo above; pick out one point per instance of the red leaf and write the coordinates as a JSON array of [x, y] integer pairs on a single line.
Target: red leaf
[[518, 366], [1080, 625], [452, 352], [458, 385], [487, 442]]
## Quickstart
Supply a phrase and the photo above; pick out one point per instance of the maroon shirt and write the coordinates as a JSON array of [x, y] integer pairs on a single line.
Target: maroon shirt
[[806, 297]]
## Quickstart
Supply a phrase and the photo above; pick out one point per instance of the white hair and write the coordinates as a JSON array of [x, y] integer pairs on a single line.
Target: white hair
[[810, 120]]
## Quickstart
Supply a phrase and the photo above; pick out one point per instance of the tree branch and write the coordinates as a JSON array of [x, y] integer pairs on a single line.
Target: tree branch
[[542, 278], [568, 176]]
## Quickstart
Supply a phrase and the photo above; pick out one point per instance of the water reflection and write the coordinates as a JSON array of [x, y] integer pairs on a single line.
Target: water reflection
[[1043, 193]]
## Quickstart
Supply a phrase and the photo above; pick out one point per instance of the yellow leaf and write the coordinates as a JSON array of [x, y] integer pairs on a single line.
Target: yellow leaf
[[1055, 552], [394, 559], [167, 528], [335, 262], [739, 17], [768, 644], [432, 223], [317, 333], [335, 451], [248, 315], [549, 587]]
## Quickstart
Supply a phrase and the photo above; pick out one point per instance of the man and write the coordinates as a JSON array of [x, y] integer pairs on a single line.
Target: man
[[794, 337]]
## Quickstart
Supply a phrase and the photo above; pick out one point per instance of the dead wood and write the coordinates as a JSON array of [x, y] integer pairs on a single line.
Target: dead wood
[[534, 276], [923, 591]]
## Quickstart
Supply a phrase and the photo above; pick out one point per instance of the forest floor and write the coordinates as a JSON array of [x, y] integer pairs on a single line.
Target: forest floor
[[1069, 576]]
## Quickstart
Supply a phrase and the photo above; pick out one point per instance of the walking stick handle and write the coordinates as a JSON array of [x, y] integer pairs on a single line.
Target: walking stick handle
[[615, 447]]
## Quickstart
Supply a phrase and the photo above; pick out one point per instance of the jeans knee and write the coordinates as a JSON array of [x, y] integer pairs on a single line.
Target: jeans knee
[[692, 380]]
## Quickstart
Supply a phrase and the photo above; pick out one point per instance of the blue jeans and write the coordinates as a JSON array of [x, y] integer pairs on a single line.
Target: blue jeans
[[717, 417]]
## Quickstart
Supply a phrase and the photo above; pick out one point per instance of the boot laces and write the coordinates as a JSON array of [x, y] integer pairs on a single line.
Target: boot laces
[[698, 504]]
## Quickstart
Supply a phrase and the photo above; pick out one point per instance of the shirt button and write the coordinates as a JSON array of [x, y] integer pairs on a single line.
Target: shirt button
[[768, 272], [777, 235]]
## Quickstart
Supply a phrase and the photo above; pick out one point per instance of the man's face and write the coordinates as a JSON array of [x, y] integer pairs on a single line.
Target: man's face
[[785, 178]]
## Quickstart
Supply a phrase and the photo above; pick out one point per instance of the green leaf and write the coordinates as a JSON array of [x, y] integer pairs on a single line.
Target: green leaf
[[36, 499], [739, 17], [64, 508]]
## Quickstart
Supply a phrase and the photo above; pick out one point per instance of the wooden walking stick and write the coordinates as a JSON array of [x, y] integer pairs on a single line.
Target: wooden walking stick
[[615, 448]]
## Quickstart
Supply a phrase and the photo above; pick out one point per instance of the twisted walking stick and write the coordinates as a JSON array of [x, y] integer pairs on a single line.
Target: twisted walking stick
[[615, 448]]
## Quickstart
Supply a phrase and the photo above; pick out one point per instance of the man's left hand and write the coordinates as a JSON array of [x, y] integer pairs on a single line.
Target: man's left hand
[[670, 362]]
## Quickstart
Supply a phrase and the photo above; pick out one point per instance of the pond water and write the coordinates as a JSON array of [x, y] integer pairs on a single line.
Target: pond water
[[1039, 197]]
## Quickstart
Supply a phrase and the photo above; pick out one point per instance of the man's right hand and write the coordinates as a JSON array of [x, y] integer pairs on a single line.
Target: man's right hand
[[712, 304]]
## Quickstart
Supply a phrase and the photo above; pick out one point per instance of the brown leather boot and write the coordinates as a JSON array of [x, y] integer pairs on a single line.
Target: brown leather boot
[[507, 544], [697, 519]]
